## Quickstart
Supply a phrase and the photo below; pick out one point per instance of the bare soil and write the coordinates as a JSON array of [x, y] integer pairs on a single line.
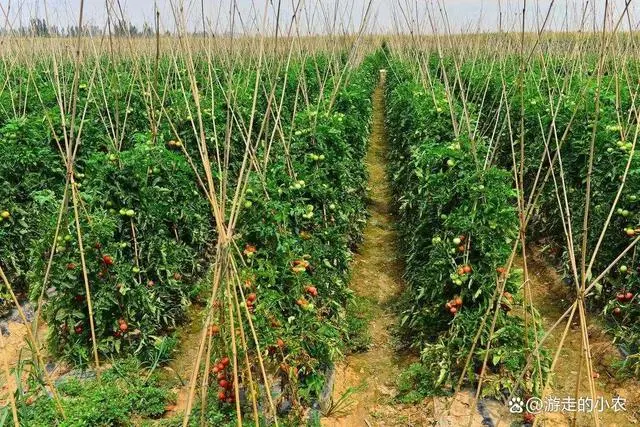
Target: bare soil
[[14, 348], [377, 276]]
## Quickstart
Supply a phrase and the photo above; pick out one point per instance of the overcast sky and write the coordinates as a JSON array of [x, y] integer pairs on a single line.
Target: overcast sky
[[319, 16]]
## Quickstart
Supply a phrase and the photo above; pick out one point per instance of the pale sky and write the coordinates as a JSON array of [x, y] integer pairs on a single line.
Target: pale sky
[[318, 16]]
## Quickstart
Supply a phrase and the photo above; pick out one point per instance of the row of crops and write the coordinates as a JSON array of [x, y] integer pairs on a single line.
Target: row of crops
[[459, 226], [574, 113], [149, 234]]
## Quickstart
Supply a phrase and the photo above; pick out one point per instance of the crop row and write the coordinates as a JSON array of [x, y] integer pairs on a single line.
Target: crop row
[[458, 225]]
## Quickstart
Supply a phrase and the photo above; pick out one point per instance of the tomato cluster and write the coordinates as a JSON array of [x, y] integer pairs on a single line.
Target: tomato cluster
[[221, 372]]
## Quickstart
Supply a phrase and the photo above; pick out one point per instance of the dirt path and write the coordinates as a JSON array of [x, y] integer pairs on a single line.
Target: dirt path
[[551, 298], [14, 348], [377, 276]]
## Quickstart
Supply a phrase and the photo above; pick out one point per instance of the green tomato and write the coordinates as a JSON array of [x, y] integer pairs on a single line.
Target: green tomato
[[5, 215], [321, 157], [623, 269], [625, 213], [332, 207], [130, 213], [457, 241], [248, 204], [112, 157], [136, 270], [451, 163], [123, 212]]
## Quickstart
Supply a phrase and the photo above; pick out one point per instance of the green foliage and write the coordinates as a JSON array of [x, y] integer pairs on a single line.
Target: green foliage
[[453, 214], [123, 391], [575, 125], [148, 231], [422, 379], [303, 220]]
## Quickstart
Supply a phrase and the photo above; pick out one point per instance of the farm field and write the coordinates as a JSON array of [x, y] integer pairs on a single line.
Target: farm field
[[361, 228]]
